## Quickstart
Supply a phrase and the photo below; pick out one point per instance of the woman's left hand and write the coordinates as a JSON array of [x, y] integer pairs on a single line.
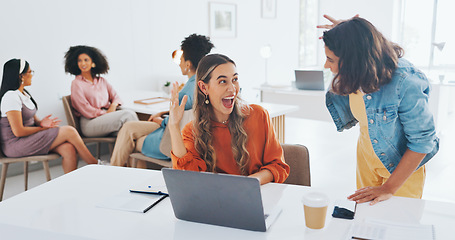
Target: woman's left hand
[[176, 110], [373, 194], [47, 122], [112, 107], [156, 118]]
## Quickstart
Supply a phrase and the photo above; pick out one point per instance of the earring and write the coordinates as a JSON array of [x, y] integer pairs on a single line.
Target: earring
[[206, 100], [93, 65], [22, 82]]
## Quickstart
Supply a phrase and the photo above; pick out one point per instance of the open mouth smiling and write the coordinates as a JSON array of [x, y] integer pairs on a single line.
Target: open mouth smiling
[[228, 102]]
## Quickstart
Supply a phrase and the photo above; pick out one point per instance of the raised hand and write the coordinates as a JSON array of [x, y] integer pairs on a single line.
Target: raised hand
[[47, 122], [333, 21], [176, 110]]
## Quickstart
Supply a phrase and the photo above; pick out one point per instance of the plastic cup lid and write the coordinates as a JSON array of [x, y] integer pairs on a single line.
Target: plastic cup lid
[[315, 199]]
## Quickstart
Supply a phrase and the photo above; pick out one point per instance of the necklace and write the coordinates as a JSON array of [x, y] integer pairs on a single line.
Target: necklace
[[224, 122]]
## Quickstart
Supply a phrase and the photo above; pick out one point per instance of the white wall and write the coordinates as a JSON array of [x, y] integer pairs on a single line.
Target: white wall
[[138, 37], [379, 13]]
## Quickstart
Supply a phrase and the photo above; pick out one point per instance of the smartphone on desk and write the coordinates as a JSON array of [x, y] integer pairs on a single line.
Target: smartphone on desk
[[344, 209]]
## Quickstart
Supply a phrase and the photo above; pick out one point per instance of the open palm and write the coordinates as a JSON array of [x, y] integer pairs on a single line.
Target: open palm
[[176, 110], [48, 122], [333, 21]]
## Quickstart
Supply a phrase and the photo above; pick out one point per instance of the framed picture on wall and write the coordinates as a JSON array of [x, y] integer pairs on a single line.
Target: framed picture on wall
[[268, 8], [222, 20]]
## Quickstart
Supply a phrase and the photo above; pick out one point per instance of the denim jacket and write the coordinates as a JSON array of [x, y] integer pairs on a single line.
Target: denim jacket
[[398, 116]]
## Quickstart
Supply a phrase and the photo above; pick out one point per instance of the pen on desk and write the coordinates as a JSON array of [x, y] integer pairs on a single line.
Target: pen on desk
[[359, 238], [159, 200], [149, 192]]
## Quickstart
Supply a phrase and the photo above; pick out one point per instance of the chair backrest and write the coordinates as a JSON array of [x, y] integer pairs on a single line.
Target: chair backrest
[[72, 120], [298, 159], [165, 144]]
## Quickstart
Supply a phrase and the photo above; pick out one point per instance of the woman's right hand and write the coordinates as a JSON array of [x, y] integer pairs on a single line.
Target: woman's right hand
[[333, 21], [176, 110]]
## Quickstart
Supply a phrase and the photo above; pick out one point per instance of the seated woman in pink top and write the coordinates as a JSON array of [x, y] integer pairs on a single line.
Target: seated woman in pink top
[[93, 98]]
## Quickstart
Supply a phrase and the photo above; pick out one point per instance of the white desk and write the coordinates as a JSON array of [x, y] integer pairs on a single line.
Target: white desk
[[277, 111], [311, 103], [277, 114], [66, 206], [129, 97]]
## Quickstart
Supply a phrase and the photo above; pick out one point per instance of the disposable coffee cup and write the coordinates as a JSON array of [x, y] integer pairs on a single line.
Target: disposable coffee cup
[[315, 209]]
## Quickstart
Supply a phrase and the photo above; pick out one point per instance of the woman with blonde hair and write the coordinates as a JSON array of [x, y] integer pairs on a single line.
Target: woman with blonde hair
[[226, 135]]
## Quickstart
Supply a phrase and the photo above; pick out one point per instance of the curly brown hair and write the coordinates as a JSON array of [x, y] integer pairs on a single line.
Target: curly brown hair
[[367, 59], [100, 60]]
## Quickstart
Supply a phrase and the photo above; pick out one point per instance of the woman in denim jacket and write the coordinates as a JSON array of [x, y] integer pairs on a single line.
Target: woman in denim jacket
[[388, 97]]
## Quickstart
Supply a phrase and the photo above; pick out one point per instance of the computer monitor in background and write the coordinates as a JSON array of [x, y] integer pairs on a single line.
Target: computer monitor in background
[[309, 80]]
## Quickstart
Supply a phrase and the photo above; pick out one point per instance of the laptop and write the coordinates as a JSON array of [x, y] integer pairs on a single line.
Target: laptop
[[218, 199], [309, 80]]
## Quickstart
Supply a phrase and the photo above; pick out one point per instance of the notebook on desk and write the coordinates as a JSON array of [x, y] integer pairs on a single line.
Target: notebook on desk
[[309, 80], [218, 199]]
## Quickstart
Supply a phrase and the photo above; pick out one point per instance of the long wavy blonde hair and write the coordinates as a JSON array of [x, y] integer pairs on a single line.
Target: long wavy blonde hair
[[204, 115]]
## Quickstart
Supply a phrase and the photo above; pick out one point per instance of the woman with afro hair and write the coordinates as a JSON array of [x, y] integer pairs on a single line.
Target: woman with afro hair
[[93, 98]]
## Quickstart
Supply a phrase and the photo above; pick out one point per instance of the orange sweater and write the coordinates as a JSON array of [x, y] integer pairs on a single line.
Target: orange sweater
[[263, 146]]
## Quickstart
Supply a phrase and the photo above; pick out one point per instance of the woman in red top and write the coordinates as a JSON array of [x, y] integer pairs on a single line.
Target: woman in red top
[[227, 135]]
